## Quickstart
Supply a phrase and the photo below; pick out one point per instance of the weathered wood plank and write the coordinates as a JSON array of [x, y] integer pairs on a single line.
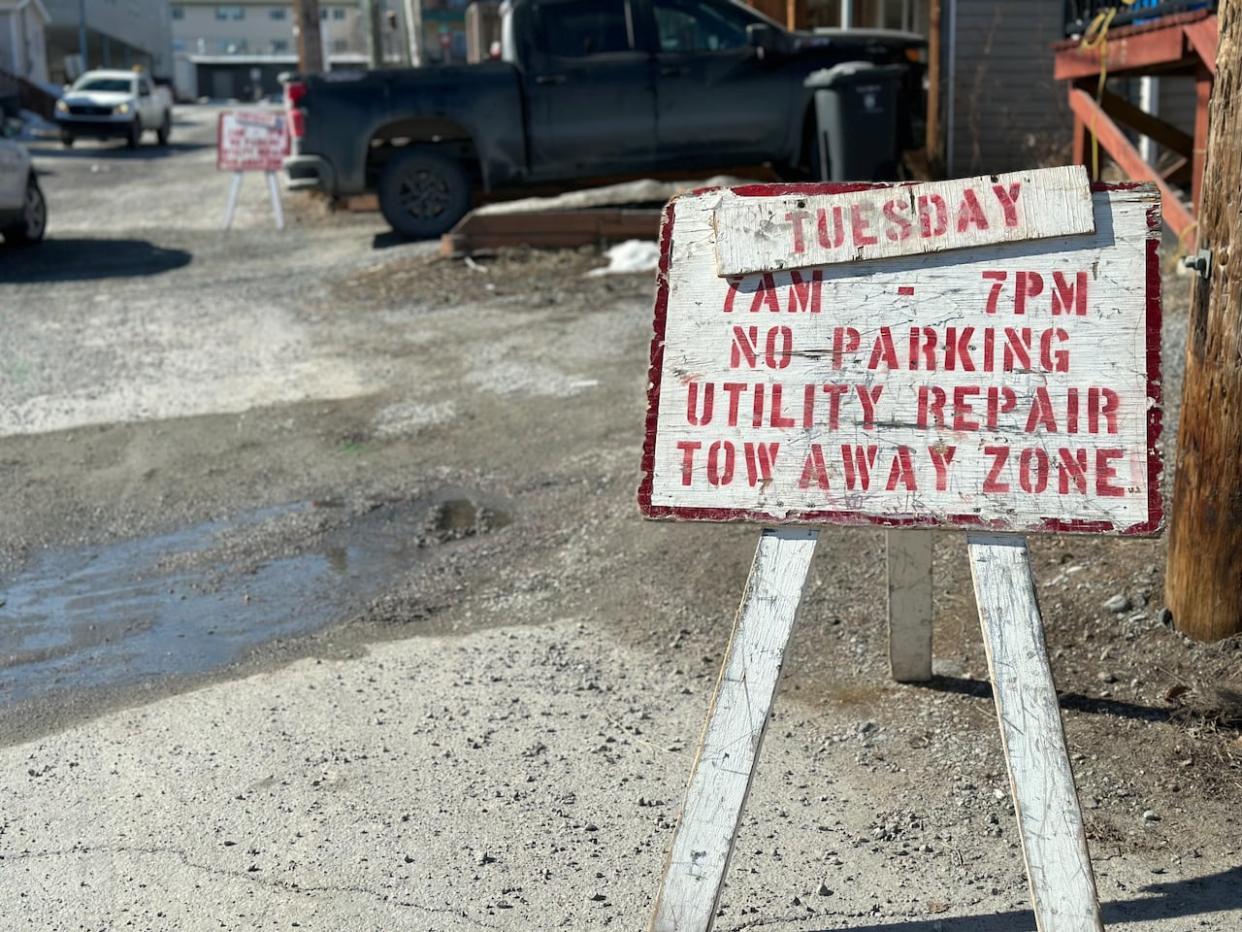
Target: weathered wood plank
[[910, 605], [1054, 842], [846, 223], [940, 389], [725, 764]]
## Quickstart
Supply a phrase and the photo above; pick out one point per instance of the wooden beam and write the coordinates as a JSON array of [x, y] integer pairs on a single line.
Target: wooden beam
[[1134, 117], [1204, 38], [909, 605], [1203, 96], [552, 229], [1114, 142], [1054, 842], [1178, 172], [1125, 53], [1203, 583], [725, 763], [935, 160]]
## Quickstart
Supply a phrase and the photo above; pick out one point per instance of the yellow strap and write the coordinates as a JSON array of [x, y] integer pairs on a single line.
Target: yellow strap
[[1096, 36]]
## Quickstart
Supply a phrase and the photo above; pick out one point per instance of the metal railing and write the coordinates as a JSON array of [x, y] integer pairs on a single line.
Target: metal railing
[[1079, 14]]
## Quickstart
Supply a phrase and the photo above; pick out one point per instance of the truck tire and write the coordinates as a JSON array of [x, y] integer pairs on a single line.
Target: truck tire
[[33, 223], [135, 133], [165, 130], [66, 140], [423, 193]]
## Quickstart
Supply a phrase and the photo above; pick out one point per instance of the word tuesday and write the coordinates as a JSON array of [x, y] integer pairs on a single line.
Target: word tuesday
[[927, 216]]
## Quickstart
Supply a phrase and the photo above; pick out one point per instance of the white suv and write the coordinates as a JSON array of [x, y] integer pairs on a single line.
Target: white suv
[[23, 211]]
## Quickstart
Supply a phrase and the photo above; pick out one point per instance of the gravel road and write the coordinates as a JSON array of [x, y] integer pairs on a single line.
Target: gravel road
[[325, 604]]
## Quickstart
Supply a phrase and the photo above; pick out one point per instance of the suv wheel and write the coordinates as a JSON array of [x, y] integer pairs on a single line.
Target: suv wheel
[[423, 193], [33, 223]]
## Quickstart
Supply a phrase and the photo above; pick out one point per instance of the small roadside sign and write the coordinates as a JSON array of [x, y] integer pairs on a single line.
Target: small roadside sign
[[1014, 386], [252, 141], [904, 355]]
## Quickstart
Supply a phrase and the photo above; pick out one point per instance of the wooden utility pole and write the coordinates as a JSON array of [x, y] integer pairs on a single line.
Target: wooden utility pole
[[1203, 585], [372, 16], [935, 163], [310, 43]]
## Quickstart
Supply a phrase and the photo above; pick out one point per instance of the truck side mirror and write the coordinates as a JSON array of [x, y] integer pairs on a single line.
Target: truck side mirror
[[764, 39]]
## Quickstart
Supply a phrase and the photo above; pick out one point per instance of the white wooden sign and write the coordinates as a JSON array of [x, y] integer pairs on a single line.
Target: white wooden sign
[[1009, 387], [1012, 387], [252, 141], [806, 225]]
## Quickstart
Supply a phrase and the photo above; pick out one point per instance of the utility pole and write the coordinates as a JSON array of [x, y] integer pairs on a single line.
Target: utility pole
[[935, 161], [414, 30], [1203, 583], [375, 32], [310, 45], [82, 50]]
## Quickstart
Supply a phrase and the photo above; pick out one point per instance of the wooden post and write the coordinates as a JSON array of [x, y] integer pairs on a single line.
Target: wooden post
[[1203, 583], [1054, 842], [310, 43], [273, 191], [725, 763], [375, 32], [230, 206], [910, 605], [935, 158]]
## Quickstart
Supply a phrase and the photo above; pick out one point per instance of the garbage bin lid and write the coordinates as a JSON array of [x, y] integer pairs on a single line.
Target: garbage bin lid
[[849, 71]]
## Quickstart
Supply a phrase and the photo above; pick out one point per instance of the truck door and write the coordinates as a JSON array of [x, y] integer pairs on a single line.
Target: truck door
[[590, 98], [717, 102]]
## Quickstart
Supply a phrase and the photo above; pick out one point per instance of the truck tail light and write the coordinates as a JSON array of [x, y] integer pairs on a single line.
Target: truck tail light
[[294, 92]]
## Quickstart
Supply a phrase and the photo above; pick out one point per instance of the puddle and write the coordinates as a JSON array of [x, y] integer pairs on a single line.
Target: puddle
[[198, 599]]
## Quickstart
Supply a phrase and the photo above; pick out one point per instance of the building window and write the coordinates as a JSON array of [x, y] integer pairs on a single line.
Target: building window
[[277, 12], [230, 12], [338, 12], [280, 45], [178, 12], [340, 45]]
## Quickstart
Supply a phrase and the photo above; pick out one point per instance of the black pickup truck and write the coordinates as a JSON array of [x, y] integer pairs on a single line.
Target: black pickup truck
[[586, 89]]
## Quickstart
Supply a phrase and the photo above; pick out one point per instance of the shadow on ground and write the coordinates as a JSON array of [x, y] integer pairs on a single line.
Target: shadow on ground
[[115, 149], [1076, 702], [1199, 896], [70, 259]]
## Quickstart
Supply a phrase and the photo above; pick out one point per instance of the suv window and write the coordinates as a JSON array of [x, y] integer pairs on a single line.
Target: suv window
[[577, 28], [700, 26], [144, 87]]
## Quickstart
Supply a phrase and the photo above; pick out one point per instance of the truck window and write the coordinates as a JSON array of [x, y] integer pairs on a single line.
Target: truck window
[[577, 28], [699, 26]]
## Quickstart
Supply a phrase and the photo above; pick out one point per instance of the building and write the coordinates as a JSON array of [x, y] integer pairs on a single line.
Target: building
[[119, 34], [23, 41], [236, 50]]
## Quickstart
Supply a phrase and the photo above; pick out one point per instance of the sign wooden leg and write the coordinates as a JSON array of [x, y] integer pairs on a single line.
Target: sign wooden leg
[[274, 191], [720, 780], [1054, 842], [230, 207], [910, 605]]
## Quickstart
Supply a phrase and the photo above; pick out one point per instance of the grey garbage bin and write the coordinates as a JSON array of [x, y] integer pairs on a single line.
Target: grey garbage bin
[[856, 120]]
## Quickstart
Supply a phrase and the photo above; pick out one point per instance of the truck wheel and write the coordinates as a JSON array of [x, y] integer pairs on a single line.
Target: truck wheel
[[164, 131], [66, 140], [135, 133], [423, 193], [33, 223]]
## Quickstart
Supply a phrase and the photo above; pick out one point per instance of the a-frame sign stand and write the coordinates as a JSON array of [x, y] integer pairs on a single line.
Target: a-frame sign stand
[[704, 461]]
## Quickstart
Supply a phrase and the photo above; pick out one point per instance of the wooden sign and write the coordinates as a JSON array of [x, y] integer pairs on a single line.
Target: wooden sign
[[251, 141], [806, 225], [1010, 387]]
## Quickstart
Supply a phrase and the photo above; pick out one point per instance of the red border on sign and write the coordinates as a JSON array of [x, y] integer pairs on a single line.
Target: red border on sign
[[1155, 464]]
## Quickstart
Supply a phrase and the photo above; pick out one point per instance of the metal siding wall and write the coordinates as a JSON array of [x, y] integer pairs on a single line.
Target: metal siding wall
[[1009, 112]]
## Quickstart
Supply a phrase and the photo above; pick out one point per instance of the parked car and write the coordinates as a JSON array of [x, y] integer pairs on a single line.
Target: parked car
[[586, 89], [115, 104], [23, 209]]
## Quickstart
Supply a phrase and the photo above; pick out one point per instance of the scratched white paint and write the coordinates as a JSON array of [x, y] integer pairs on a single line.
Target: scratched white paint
[[725, 763], [1107, 349], [763, 234], [1054, 842]]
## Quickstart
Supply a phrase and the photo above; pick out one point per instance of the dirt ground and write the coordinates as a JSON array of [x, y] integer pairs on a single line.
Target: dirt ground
[[325, 603]]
